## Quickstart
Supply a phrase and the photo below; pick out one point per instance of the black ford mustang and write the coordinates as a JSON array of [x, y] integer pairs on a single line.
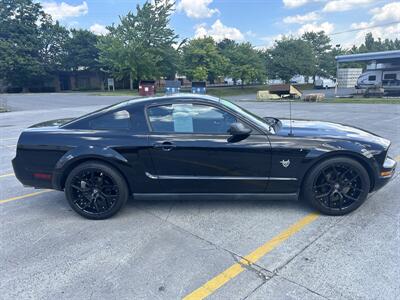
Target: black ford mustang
[[197, 146]]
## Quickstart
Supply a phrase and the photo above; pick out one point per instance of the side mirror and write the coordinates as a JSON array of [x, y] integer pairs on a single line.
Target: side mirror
[[238, 132]]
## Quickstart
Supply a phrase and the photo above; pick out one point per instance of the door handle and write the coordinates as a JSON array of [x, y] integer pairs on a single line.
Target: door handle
[[165, 146]]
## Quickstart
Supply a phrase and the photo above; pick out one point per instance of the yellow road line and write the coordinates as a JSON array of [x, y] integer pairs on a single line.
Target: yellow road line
[[215, 283], [7, 175], [24, 196]]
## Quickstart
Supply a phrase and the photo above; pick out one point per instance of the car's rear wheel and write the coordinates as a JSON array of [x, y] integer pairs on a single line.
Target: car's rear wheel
[[95, 190], [337, 186]]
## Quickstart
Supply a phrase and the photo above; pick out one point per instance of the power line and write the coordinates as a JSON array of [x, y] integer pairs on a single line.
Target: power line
[[364, 28], [354, 30]]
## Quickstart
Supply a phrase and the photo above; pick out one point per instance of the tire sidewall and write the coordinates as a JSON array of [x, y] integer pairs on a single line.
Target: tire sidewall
[[308, 193], [119, 180]]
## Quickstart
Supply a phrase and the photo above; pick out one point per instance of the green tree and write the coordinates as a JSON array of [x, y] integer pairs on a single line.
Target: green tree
[[200, 73], [373, 45], [81, 51], [20, 63], [289, 57], [322, 49], [329, 65], [227, 48], [141, 45], [32, 46], [244, 62], [201, 56], [52, 39]]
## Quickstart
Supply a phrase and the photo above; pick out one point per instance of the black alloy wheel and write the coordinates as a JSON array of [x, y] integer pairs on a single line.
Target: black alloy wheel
[[96, 190], [337, 186]]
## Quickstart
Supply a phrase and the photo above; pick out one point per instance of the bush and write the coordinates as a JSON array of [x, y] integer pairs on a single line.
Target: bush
[[42, 89], [13, 89]]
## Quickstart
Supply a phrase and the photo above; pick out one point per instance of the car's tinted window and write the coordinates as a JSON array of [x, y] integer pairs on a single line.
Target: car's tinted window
[[371, 77], [111, 121], [189, 118]]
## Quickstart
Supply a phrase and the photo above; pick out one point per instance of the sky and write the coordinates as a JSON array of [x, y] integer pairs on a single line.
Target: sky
[[260, 22]]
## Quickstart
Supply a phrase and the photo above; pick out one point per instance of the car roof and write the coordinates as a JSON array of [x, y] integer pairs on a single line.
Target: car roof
[[166, 98], [142, 102]]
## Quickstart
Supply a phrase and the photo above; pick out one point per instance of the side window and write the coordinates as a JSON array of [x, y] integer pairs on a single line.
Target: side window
[[390, 76], [371, 78], [112, 121], [189, 118]]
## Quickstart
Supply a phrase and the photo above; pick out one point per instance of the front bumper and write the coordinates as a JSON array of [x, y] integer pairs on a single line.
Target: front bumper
[[387, 172]]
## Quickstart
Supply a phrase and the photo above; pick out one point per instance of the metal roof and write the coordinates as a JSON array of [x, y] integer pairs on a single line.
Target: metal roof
[[379, 57]]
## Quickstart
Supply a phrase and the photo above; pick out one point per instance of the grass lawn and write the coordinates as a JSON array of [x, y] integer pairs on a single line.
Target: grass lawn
[[117, 93], [345, 100], [364, 100]]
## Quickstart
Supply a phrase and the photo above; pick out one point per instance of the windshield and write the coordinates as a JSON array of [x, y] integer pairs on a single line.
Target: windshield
[[249, 115]]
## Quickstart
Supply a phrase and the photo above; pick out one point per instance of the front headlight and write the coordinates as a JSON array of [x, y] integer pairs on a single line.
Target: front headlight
[[389, 163]]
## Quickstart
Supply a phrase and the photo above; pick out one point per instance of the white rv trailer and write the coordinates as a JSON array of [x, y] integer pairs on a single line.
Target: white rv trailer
[[388, 79], [383, 72]]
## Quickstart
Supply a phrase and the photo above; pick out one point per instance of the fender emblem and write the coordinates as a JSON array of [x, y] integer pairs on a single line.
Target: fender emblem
[[285, 163]]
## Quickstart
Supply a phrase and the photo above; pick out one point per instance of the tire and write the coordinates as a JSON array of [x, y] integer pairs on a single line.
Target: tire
[[337, 186], [96, 190]]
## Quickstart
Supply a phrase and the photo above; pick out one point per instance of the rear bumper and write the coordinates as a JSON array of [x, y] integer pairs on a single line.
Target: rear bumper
[[387, 172], [27, 176]]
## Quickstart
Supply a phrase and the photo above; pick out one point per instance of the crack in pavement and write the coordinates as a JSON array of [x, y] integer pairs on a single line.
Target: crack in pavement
[[340, 219], [264, 274], [252, 267], [303, 286], [246, 264], [257, 287]]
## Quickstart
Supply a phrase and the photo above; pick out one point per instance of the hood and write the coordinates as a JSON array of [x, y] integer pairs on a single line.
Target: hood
[[52, 123], [305, 128]]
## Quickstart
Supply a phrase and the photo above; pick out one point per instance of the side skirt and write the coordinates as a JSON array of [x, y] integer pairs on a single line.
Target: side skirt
[[215, 196]]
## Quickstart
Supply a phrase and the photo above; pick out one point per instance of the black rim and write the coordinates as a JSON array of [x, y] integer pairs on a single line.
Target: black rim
[[338, 186], [94, 191]]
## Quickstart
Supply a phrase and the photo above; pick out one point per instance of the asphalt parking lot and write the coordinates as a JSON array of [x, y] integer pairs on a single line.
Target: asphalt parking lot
[[192, 249]]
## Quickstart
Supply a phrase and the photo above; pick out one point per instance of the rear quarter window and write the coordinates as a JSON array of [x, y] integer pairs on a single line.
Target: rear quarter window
[[119, 120]]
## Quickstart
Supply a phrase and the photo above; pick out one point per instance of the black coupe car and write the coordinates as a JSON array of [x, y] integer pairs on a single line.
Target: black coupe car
[[187, 146]]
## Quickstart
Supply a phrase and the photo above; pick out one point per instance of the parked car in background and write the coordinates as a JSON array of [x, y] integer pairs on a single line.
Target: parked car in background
[[325, 83]]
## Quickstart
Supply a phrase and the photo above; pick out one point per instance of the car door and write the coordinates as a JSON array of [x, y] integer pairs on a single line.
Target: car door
[[191, 153]]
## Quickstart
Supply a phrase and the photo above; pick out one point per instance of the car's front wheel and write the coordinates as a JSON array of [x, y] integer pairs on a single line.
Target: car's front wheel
[[337, 186], [95, 190]]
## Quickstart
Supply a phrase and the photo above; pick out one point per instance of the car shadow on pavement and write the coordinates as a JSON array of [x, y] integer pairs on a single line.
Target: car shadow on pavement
[[244, 206], [55, 204]]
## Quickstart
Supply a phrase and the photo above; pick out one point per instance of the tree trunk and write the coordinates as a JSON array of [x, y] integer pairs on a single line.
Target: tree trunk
[[102, 80], [130, 82]]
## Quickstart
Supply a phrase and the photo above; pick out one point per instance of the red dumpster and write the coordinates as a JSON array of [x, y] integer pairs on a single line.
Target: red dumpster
[[147, 88]]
